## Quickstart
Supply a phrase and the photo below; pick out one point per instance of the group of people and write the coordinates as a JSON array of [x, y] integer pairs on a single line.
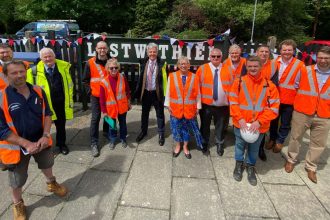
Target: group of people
[[260, 94]]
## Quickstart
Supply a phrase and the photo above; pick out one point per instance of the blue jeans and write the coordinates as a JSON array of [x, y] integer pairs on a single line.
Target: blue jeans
[[285, 115], [252, 149], [112, 134]]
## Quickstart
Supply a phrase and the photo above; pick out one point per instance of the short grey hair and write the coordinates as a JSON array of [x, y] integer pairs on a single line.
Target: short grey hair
[[46, 50], [235, 47], [183, 58], [152, 45]]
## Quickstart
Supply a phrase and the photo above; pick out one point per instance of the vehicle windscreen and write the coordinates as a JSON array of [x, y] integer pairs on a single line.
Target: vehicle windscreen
[[59, 28]]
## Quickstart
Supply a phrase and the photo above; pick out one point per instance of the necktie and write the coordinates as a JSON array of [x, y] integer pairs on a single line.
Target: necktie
[[50, 71], [150, 72], [184, 80], [215, 85]]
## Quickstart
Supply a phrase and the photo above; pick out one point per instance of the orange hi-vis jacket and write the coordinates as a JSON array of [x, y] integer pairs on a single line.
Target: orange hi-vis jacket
[[183, 99], [205, 76], [98, 72], [240, 70], [309, 99], [268, 69], [115, 104], [287, 81], [254, 99], [10, 153]]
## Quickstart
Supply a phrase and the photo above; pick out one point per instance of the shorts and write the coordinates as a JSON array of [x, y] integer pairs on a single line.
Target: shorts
[[19, 174]]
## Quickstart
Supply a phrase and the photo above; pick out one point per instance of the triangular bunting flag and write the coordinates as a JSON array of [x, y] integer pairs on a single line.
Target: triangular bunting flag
[[69, 43], [18, 42], [219, 37], [200, 44], [46, 41], [88, 37], [79, 40], [33, 40], [39, 39], [210, 42], [3, 40], [190, 45], [60, 42], [24, 40], [227, 32], [173, 40], [102, 36], [96, 36], [181, 43], [53, 42], [11, 42], [165, 37], [232, 40], [156, 37]]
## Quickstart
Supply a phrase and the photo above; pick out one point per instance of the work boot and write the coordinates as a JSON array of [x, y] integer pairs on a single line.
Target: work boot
[[270, 145], [251, 175], [220, 149], [238, 171], [57, 189], [278, 147], [19, 210]]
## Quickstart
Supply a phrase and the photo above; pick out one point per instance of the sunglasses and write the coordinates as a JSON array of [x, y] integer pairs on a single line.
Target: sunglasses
[[214, 56], [113, 68]]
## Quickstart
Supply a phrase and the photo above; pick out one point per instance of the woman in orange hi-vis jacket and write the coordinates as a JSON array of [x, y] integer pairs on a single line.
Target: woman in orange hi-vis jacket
[[255, 100], [183, 102]]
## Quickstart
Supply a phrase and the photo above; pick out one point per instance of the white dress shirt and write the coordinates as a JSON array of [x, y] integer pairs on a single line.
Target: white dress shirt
[[222, 97]]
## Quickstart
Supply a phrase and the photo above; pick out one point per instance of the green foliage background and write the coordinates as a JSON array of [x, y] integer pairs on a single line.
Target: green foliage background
[[182, 19]]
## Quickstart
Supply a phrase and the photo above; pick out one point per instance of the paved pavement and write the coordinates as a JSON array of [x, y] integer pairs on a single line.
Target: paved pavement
[[144, 181]]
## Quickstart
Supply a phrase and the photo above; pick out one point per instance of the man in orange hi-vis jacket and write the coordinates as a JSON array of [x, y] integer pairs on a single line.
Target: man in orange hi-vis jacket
[[255, 100], [311, 111]]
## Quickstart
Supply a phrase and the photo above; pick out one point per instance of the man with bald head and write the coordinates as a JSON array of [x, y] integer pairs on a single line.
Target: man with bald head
[[54, 77], [215, 85]]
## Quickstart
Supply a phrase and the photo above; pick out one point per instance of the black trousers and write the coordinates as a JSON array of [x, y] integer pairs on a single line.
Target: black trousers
[[59, 110], [150, 99], [220, 115], [95, 120]]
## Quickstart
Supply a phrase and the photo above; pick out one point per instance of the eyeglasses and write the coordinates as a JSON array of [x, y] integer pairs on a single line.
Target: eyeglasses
[[214, 56], [113, 68]]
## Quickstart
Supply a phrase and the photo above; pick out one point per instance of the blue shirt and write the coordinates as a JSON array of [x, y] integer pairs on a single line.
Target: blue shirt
[[26, 114], [322, 77]]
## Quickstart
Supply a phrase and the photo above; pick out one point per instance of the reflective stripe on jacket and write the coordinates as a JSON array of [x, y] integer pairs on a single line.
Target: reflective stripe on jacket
[[287, 81], [41, 80], [254, 99], [205, 76], [309, 99], [10, 153], [119, 104], [98, 72], [183, 99], [240, 70]]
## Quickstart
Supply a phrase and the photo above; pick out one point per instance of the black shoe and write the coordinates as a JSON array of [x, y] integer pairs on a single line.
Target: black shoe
[[220, 149], [112, 146], [262, 154], [188, 155], [204, 149], [95, 150], [64, 150], [176, 154], [238, 171], [140, 137], [161, 140], [251, 175]]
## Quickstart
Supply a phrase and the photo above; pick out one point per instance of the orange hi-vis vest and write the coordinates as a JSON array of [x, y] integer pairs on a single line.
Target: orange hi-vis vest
[[183, 99], [10, 153], [268, 69], [3, 81], [254, 99], [115, 104], [309, 99], [205, 76], [287, 81], [240, 68], [98, 72]]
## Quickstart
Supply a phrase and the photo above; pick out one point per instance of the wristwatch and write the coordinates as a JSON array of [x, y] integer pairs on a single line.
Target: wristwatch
[[47, 135]]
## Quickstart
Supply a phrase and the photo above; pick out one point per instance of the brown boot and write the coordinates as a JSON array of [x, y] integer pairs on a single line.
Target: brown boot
[[288, 167], [270, 145], [278, 147], [57, 189], [311, 175], [19, 210]]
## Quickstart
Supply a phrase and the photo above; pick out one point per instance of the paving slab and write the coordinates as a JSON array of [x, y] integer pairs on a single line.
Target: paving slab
[[196, 199], [321, 190], [272, 170], [128, 213], [95, 197], [149, 182], [295, 202], [80, 154], [198, 166], [230, 217], [68, 174], [119, 159], [38, 207], [253, 200]]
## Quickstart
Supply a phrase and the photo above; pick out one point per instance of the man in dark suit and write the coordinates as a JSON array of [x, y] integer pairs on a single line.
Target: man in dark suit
[[150, 91]]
